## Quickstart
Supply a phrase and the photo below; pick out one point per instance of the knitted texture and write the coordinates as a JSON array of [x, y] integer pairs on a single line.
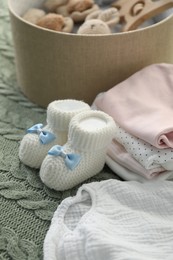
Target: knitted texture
[[90, 133], [26, 204], [59, 113]]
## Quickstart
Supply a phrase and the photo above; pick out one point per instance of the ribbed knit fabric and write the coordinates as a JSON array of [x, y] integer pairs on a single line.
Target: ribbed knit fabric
[[113, 220], [59, 114], [84, 139], [90, 133]]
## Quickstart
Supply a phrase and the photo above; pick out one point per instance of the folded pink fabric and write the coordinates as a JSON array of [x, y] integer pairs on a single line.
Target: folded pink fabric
[[143, 104], [118, 153]]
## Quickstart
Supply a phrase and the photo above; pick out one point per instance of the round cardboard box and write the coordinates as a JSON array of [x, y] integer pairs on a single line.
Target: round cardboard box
[[53, 65]]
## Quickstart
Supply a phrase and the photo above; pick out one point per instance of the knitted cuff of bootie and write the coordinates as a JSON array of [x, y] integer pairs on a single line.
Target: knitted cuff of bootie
[[89, 131], [35, 145], [60, 112], [83, 155]]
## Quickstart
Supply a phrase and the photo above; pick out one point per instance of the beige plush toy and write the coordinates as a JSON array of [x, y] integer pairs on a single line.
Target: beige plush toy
[[94, 26], [33, 15], [68, 25], [110, 16], [79, 5], [78, 16], [77, 9], [52, 5], [56, 22]]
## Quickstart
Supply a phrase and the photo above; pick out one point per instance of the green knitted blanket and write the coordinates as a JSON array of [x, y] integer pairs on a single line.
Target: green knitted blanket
[[26, 205]]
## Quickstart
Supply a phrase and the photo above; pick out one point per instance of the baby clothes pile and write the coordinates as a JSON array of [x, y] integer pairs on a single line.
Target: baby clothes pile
[[142, 107]]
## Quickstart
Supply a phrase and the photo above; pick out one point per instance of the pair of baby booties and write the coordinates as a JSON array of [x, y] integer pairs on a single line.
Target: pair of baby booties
[[71, 147]]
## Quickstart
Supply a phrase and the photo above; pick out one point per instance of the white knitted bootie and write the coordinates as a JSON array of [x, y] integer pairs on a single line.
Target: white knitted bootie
[[38, 140], [83, 155]]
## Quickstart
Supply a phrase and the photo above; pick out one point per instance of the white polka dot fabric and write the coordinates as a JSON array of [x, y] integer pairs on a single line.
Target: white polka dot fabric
[[119, 154], [146, 154]]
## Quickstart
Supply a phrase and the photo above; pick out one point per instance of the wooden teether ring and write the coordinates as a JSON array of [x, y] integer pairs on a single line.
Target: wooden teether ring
[[134, 12], [137, 8]]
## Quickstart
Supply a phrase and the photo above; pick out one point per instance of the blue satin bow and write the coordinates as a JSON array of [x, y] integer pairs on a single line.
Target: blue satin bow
[[71, 160], [45, 137]]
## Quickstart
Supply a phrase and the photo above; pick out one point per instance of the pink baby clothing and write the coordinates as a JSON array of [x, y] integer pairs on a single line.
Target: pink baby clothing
[[143, 104], [119, 154], [150, 157], [111, 220], [129, 175]]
